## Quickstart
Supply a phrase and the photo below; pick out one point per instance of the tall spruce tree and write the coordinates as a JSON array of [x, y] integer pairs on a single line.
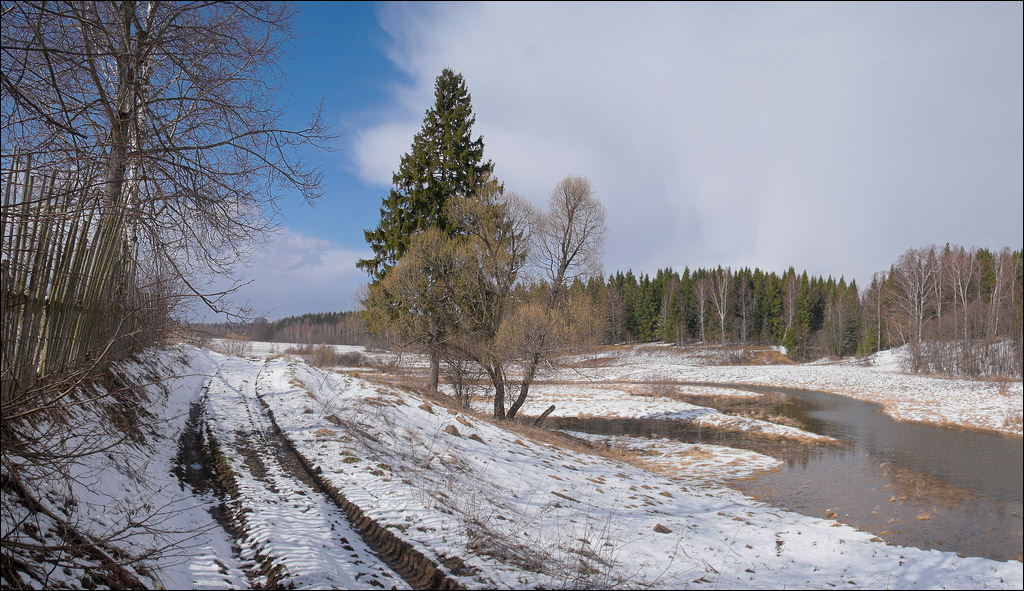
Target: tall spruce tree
[[445, 161]]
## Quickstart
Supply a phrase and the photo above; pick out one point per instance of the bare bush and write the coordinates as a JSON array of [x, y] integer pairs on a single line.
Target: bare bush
[[326, 356], [236, 345]]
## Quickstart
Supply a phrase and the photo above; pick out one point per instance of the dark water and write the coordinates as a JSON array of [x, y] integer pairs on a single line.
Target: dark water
[[910, 484]]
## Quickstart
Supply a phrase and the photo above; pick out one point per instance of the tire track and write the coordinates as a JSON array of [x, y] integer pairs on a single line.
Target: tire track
[[416, 569], [289, 527]]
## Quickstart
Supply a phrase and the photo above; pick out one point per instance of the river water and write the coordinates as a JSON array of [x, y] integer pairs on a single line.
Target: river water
[[909, 483]]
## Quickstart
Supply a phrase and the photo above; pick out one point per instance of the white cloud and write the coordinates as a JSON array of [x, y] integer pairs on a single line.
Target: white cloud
[[294, 274], [377, 152], [829, 137]]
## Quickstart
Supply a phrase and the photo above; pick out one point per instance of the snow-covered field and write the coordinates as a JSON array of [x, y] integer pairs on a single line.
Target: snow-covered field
[[493, 507], [881, 379], [605, 384]]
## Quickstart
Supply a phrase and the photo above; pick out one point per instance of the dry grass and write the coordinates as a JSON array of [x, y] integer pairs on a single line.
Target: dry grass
[[325, 356], [769, 357], [1013, 418]]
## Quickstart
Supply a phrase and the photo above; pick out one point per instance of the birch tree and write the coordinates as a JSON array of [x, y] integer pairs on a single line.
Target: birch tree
[[960, 272], [721, 285], [175, 103], [702, 293], [915, 291]]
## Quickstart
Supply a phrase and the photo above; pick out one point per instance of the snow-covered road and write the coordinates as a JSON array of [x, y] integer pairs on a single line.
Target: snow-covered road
[[289, 526]]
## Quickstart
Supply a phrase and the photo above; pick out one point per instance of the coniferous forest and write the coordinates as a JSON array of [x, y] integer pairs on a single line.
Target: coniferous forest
[[958, 309]]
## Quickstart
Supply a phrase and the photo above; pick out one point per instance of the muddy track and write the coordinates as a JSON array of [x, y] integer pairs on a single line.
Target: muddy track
[[196, 465], [415, 568], [270, 458]]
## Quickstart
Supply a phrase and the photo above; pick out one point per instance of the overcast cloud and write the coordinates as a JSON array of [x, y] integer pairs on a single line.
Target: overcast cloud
[[827, 137]]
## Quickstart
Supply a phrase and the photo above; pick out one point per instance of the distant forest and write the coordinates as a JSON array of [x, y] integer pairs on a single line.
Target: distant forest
[[959, 310], [329, 328]]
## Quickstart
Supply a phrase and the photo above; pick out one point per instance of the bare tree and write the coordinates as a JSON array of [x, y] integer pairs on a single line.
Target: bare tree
[[615, 310], [960, 273], [842, 320], [702, 293], [938, 282], [570, 238], [164, 114], [873, 301], [1006, 269], [745, 295], [491, 260], [570, 235], [174, 104], [721, 285], [915, 292], [789, 302]]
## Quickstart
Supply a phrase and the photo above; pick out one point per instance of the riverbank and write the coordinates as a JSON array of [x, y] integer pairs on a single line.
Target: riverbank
[[500, 508], [611, 381], [583, 384]]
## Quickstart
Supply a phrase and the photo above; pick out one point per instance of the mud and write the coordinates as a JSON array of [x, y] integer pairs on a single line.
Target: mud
[[415, 568]]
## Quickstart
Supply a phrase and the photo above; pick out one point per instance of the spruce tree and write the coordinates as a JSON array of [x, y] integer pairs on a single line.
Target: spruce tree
[[444, 161]]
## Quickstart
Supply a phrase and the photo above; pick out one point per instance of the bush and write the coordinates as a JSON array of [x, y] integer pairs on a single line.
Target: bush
[[326, 356]]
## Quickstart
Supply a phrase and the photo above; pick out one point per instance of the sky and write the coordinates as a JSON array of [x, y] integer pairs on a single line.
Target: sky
[[826, 137]]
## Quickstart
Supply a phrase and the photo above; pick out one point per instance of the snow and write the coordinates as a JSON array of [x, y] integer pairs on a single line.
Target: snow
[[497, 507], [973, 403]]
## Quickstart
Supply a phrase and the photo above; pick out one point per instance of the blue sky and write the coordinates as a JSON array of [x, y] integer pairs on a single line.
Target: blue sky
[[829, 137]]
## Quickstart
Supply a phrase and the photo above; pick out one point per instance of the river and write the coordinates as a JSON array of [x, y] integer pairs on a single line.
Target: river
[[911, 484]]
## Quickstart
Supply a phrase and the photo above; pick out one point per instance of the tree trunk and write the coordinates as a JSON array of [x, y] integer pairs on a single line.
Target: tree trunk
[[435, 366], [498, 380], [524, 388], [540, 420]]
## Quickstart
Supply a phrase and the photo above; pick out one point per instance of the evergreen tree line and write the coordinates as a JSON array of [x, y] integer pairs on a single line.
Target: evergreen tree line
[[959, 309]]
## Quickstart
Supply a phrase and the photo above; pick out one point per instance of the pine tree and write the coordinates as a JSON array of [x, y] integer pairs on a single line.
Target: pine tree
[[444, 162]]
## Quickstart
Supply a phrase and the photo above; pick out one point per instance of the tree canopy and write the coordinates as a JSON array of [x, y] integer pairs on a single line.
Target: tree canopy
[[444, 162]]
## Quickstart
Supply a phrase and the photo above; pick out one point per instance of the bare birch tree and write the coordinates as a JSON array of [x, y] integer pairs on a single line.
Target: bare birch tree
[[915, 292], [789, 302], [721, 285], [175, 104], [960, 273], [1006, 268], [874, 298], [702, 293]]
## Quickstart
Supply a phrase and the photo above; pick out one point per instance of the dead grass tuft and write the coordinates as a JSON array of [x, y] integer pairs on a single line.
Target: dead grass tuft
[[1013, 418], [769, 357]]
